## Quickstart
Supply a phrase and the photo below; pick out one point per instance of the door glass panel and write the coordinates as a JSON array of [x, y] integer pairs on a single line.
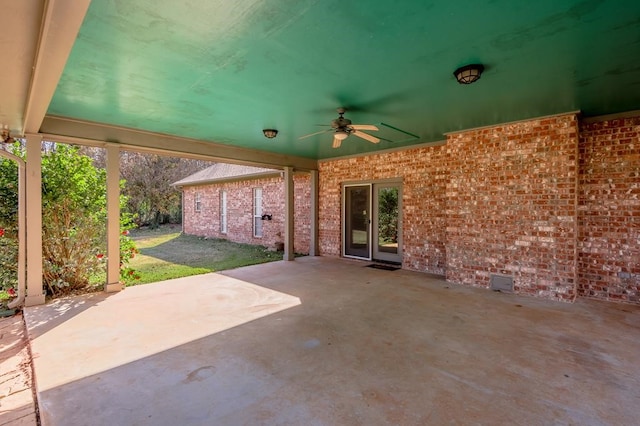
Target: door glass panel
[[357, 217], [388, 220]]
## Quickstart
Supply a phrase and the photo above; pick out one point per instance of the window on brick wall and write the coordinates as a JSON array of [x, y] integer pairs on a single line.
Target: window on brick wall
[[223, 212], [197, 202], [257, 212]]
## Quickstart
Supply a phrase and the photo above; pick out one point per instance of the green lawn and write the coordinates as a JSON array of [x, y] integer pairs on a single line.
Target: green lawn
[[166, 254]]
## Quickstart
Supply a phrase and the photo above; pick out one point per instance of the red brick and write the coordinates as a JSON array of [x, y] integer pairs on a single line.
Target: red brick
[[609, 233], [206, 223]]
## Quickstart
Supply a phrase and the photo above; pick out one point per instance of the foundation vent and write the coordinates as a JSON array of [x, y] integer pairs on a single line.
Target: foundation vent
[[502, 283]]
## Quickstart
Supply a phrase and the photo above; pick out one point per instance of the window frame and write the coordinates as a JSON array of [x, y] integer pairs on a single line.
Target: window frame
[[258, 231], [224, 226], [197, 202]]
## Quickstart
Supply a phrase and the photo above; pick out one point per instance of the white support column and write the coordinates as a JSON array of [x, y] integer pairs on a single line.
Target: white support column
[[113, 219], [289, 214], [313, 240], [35, 293], [22, 228]]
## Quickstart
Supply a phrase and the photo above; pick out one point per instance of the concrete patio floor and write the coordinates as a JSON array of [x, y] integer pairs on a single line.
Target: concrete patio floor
[[323, 341], [17, 407]]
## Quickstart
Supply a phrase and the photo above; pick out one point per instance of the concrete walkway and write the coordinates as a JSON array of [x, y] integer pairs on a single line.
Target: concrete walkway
[[323, 341], [17, 406]]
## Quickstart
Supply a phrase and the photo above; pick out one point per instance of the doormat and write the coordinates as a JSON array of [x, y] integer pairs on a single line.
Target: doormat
[[383, 267]]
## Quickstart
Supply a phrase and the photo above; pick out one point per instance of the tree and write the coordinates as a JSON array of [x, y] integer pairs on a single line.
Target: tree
[[149, 192], [150, 197]]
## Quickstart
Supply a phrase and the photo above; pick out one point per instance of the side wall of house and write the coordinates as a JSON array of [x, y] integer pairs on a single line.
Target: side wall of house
[[206, 222], [609, 210], [512, 200]]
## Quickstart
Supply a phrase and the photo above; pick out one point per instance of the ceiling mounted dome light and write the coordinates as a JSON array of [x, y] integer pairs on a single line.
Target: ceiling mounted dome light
[[270, 133], [469, 73]]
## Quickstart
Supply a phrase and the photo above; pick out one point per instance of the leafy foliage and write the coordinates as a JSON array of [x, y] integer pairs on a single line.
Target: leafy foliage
[[150, 195], [8, 191], [8, 223], [73, 218], [8, 258], [151, 199], [388, 215], [73, 205], [128, 251]]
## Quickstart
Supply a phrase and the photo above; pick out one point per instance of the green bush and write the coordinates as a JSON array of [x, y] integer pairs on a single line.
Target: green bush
[[8, 224], [73, 221], [8, 258]]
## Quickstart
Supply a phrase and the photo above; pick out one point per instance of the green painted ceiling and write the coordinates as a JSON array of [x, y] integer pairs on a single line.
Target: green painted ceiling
[[223, 70]]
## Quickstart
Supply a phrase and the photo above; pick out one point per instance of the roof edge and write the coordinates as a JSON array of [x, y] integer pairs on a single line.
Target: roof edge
[[251, 176]]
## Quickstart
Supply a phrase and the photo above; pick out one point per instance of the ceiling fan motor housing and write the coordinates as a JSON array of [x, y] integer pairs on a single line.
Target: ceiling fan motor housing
[[340, 123], [342, 128]]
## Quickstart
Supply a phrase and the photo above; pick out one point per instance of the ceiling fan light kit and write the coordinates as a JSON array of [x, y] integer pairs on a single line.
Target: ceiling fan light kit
[[469, 73], [270, 133], [341, 135]]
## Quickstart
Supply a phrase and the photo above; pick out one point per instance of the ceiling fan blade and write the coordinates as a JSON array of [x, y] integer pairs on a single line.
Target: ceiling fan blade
[[400, 130], [313, 134], [364, 127], [337, 142], [365, 136]]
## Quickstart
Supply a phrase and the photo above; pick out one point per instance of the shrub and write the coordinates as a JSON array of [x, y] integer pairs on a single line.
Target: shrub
[[8, 258], [74, 214], [8, 224]]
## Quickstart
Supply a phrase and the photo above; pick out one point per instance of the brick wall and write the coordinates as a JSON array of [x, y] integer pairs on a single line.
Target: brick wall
[[206, 223], [512, 200], [609, 210], [511, 206], [553, 203], [424, 174]]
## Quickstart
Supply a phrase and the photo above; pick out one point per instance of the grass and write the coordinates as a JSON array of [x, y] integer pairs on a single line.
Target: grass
[[165, 254]]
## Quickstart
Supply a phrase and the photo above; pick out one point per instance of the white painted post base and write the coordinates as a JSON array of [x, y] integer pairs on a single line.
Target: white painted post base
[[34, 300], [113, 288]]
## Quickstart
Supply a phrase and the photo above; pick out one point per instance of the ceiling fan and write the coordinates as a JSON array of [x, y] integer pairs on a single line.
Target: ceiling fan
[[342, 129]]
